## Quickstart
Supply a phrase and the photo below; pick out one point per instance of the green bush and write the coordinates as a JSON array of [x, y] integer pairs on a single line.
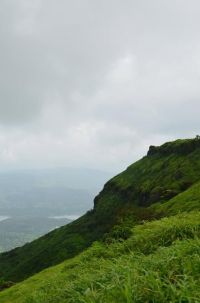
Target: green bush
[[118, 233]]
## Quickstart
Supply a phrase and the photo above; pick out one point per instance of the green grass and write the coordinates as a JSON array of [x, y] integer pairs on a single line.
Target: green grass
[[159, 178], [184, 202], [156, 178], [160, 262]]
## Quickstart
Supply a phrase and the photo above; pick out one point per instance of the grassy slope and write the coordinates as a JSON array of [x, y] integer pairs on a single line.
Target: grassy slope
[[154, 178], [184, 202], [160, 262], [167, 171]]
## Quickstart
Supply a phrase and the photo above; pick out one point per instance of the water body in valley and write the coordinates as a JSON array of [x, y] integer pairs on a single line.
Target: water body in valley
[[69, 217], [3, 218]]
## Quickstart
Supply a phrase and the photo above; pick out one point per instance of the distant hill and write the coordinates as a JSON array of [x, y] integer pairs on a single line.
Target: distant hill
[[17, 231], [37, 201], [49, 191], [164, 182]]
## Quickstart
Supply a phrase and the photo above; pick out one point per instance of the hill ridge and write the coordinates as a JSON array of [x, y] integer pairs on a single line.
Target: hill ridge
[[153, 179], [180, 146]]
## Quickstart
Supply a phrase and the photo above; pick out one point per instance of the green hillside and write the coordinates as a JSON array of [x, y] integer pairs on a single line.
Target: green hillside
[[159, 262], [186, 201], [148, 189]]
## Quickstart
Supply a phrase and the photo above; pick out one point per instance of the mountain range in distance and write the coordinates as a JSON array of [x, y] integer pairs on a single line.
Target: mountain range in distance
[[33, 202]]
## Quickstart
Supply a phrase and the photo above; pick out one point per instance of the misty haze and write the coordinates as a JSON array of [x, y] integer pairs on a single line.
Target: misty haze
[[33, 202]]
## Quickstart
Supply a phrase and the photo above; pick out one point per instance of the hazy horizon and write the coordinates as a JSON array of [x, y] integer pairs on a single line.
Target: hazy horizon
[[33, 202]]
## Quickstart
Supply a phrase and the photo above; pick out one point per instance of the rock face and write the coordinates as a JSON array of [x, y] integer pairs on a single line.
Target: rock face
[[183, 147]]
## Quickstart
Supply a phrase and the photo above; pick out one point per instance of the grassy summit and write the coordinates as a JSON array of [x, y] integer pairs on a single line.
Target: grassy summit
[[162, 183]]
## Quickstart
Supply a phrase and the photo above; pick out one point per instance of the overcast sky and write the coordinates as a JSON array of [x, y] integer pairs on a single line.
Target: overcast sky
[[93, 83]]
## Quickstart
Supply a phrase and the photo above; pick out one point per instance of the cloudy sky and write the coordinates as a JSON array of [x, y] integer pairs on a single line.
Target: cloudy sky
[[93, 83]]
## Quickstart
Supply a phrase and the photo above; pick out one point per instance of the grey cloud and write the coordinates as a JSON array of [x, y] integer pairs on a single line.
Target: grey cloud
[[101, 77]]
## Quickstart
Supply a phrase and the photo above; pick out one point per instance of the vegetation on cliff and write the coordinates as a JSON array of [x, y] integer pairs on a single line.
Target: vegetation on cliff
[[136, 254]]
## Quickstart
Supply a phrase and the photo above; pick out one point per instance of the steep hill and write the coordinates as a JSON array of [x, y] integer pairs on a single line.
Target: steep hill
[[139, 193], [159, 262]]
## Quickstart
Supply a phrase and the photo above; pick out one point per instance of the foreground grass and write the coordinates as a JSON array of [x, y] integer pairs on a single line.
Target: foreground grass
[[160, 262]]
